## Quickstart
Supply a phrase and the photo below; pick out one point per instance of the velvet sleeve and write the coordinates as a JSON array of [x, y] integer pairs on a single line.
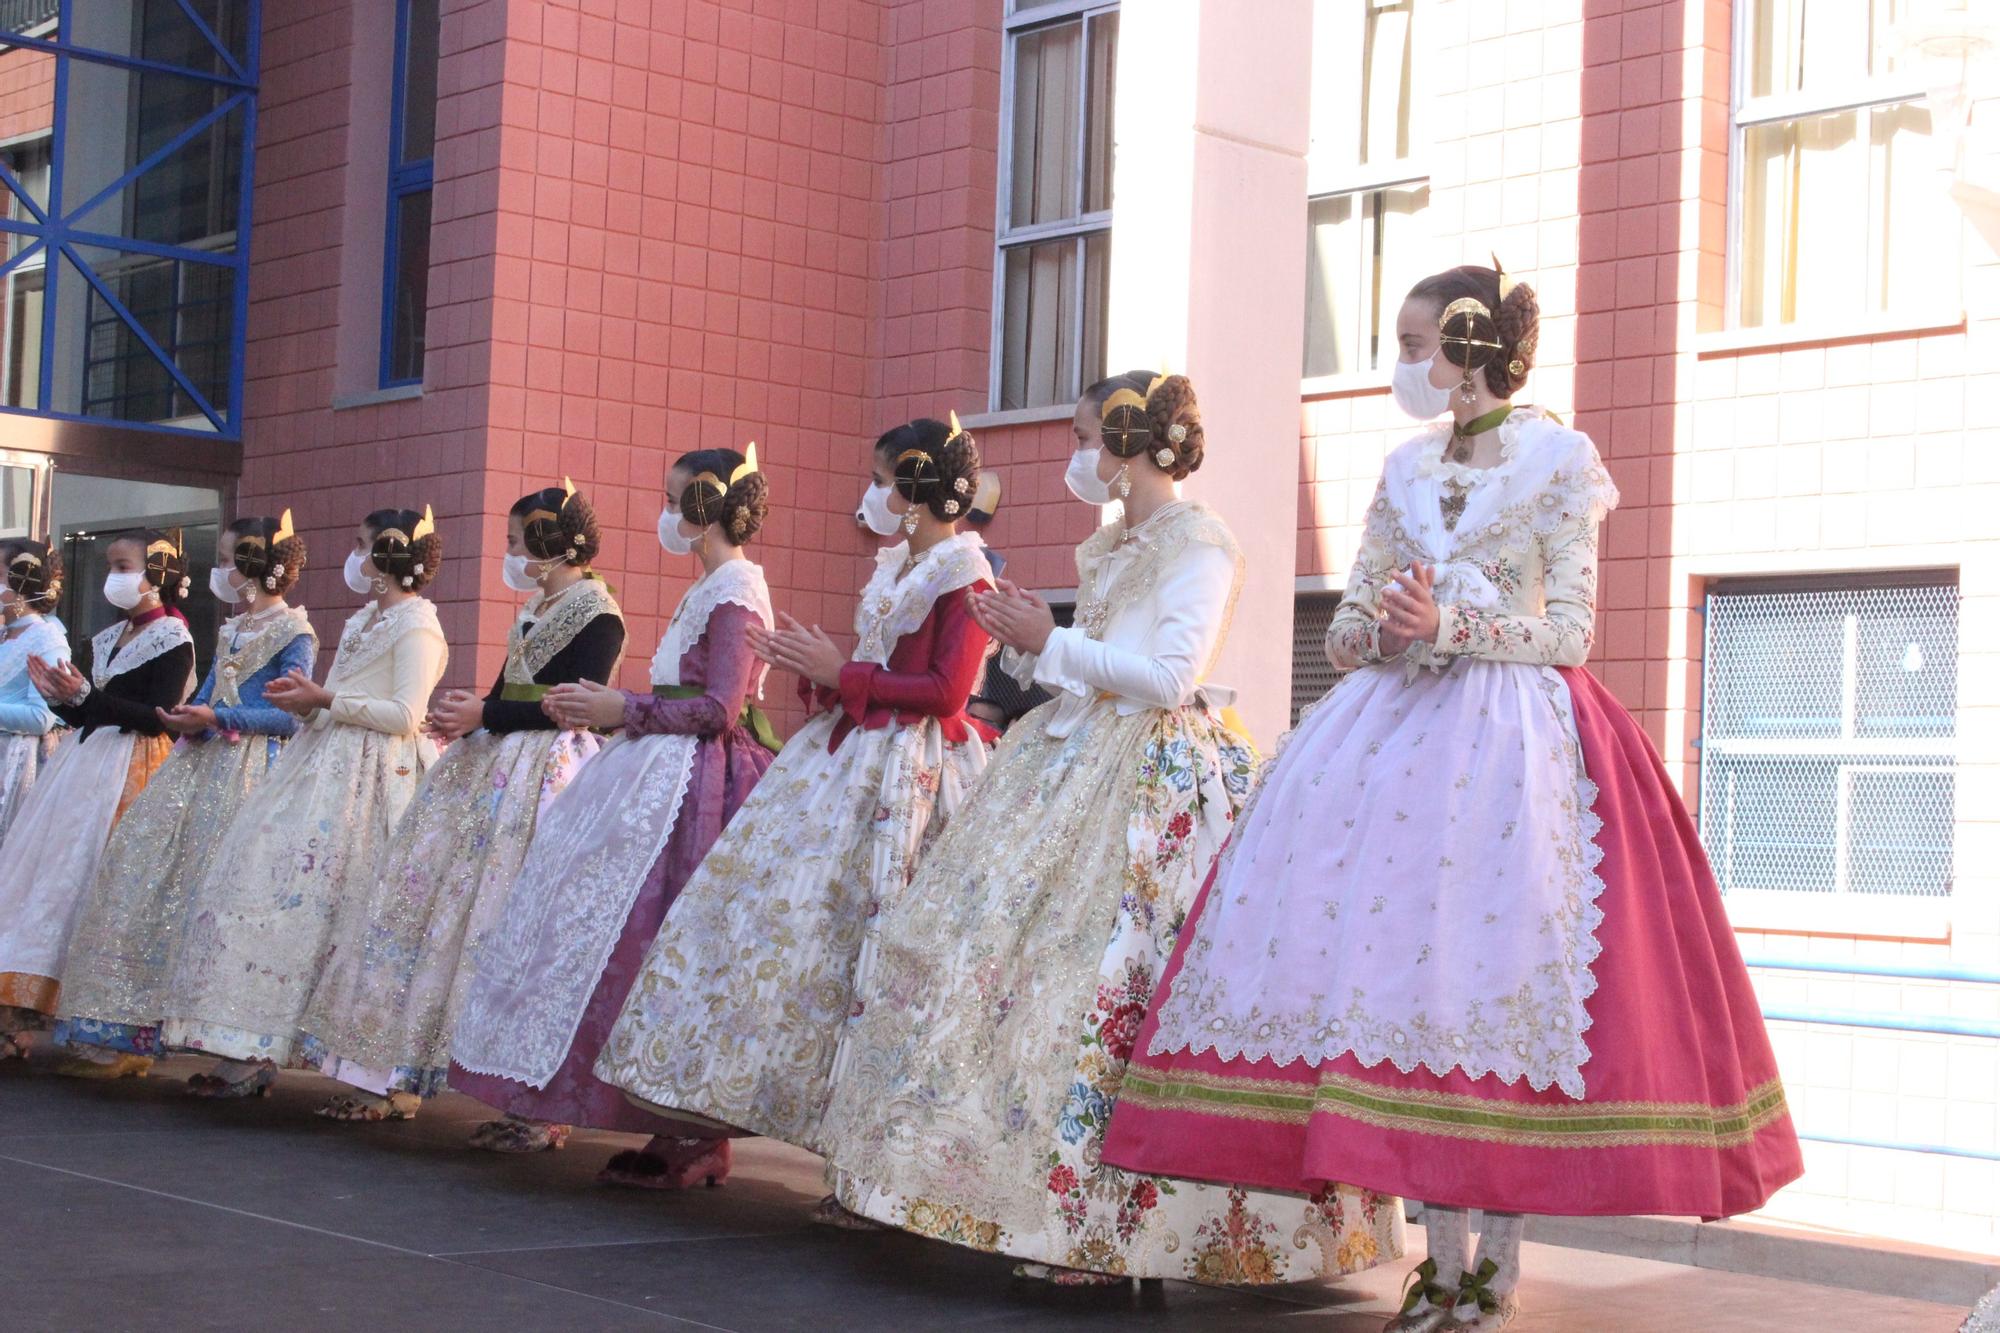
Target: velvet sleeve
[[160, 683], [958, 651], [730, 665], [264, 719], [592, 655]]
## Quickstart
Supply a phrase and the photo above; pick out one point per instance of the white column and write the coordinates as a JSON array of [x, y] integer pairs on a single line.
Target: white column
[[1208, 276]]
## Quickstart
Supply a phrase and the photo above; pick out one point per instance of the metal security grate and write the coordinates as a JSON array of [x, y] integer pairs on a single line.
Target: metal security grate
[[1312, 674], [1829, 738]]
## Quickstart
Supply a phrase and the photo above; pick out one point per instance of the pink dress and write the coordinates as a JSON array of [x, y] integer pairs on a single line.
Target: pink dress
[[718, 673], [1464, 945]]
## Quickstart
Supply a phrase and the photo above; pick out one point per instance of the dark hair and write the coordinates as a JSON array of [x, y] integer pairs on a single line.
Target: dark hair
[[1514, 323], [1135, 380], [269, 564], [558, 525], [740, 507], [932, 467], [34, 572], [162, 560], [1166, 430], [409, 563]]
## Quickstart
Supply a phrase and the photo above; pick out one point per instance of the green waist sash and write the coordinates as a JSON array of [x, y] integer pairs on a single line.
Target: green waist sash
[[752, 719], [522, 694]]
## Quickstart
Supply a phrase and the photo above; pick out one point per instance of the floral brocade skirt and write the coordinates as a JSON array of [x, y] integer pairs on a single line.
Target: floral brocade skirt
[[114, 982], [383, 1013], [993, 1025], [741, 1001], [22, 759], [50, 858]]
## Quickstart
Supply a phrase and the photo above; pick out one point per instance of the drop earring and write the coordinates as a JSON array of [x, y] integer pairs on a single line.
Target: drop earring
[[910, 521], [1124, 481], [1466, 393]]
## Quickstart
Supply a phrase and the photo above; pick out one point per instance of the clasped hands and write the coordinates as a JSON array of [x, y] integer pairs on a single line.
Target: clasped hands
[[808, 651], [58, 682], [1016, 618], [1409, 613]]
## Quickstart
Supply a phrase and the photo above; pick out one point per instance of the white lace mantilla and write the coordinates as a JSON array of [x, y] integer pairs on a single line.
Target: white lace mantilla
[[158, 638], [739, 582], [893, 603], [544, 626], [361, 642], [39, 637]]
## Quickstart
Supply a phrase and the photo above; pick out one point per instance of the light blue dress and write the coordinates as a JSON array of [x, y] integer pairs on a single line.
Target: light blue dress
[[28, 729]]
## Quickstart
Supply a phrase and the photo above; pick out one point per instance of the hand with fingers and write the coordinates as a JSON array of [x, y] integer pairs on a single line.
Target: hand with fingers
[[296, 693], [807, 651], [58, 682], [1409, 613], [456, 713], [585, 705], [187, 719], [1017, 618]]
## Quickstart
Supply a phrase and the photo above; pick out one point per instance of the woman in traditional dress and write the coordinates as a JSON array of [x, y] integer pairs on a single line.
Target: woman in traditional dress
[[139, 664], [382, 1015], [739, 1004], [261, 920], [230, 736], [1465, 946], [612, 853], [29, 728], [992, 1029]]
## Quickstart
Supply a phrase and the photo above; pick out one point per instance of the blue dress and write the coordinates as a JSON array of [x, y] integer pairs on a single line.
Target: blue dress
[[125, 940], [28, 727]]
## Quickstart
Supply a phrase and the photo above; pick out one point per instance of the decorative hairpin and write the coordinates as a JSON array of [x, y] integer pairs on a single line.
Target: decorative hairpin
[[1507, 283], [425, 526], [284, 532], [748, 467], [956, 429]]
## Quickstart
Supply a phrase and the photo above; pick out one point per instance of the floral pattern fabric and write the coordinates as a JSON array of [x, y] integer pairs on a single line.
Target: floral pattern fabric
[[991, 1034]]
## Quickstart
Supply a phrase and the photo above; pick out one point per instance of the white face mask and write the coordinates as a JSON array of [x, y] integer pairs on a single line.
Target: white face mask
[[514, 573], [875, 511], [1411, 385], [671, 540], [124, 590], [221, 587], [357, 578], [1082, 479]]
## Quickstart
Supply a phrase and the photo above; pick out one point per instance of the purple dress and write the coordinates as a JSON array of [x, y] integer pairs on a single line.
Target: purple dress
[[727, 763]]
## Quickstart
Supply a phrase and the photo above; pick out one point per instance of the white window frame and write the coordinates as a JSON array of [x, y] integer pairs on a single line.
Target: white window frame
[[1405, 173], [1020, 19], [1843, 911], [1749, 112], [35, 264]]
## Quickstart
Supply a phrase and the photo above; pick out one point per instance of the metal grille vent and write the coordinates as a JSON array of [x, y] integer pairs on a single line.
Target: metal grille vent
[[1829, 726], [1312, 674]]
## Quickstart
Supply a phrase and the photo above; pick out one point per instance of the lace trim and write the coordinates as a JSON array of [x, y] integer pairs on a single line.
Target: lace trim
[[361, 643], [738, 582], [892, 607], [157, 639], [42, 637], [545, 626], [235, 665], [1319, 1042]]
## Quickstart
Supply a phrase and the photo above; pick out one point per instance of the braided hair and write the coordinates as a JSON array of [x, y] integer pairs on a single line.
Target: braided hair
[[932, 466], [34, 572], [163, 561], [409, 563], [710, 497], [273, 565], [1512, 322], [558, 527], [1163, 425]]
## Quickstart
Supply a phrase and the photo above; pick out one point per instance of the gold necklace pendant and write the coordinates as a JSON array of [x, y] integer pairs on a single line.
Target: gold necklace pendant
[[1453, 507]]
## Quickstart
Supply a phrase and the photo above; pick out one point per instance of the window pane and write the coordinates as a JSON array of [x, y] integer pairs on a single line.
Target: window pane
[[184, 308], [1836, 220], [24, 338], [1770, 823], [1362, 105], [420, 81], [1047, 112], [1038, 358], [1821, 46], [1357, 273], [410, 290], [119, 118], [1906, 663], [1773, 667], [1333, 284], [1100, 96], [1096, 306]]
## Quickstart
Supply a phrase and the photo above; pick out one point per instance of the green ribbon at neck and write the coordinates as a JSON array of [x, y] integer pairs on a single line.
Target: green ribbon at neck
[[1480, 425], [752, 719]]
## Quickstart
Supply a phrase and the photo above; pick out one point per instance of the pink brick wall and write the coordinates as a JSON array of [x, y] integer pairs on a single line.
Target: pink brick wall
[[27, 92]]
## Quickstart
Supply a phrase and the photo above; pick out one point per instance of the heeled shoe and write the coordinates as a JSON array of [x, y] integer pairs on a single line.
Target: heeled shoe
[[215, 1088], [122, 1065]]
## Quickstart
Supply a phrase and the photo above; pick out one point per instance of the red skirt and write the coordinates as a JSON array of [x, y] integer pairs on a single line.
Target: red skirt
[[1682, 1110]]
